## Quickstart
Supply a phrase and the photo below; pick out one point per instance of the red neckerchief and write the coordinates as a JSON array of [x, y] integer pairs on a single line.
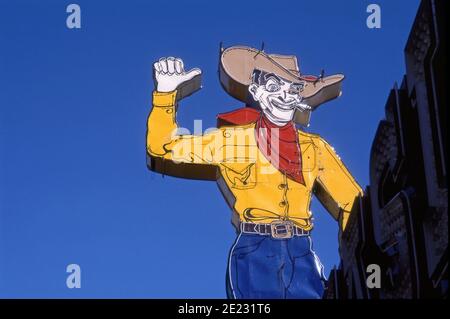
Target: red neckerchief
[[287, 157]]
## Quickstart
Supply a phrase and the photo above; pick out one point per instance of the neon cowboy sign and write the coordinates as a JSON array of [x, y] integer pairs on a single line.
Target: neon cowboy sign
[[265, 166]]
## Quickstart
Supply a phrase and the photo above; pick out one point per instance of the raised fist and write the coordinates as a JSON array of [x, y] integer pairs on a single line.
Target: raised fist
[[169, 75]]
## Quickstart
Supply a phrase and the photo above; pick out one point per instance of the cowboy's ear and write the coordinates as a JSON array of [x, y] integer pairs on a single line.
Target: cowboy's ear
[[253, 88]]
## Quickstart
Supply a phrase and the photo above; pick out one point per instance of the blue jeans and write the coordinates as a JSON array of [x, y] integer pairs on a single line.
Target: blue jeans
[[263, 267]]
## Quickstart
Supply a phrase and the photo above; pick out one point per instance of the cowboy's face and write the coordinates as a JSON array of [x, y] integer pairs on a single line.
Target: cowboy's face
[[277, 97]]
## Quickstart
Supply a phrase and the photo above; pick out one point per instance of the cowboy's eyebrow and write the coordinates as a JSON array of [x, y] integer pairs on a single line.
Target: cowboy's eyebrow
[[273, 76]]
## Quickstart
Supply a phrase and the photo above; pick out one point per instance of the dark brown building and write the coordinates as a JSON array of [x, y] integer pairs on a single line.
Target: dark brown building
[[401, 223]]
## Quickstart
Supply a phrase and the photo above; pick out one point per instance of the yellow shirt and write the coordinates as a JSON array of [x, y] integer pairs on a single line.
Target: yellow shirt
[[253, 188]]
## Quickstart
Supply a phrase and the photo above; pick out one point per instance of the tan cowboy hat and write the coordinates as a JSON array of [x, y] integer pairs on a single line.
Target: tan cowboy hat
[[237, 64]]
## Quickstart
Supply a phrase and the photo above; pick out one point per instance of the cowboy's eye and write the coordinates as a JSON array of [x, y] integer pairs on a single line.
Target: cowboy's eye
[[296, 89], [272, 86]]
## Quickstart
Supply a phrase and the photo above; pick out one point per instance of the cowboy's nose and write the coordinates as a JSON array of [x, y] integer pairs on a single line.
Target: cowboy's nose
[[283, 98]]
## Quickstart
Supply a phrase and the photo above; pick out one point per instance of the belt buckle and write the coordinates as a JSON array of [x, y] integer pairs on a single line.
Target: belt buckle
[[282, 229]]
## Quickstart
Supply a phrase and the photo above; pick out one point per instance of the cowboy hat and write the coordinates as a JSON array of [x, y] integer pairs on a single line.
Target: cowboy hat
[[237, 64]]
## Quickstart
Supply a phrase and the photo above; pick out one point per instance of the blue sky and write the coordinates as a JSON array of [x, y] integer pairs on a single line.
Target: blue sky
[[74, 187]]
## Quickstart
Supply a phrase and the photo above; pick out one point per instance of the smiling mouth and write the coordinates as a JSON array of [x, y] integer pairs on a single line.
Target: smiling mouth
[[282, 105]]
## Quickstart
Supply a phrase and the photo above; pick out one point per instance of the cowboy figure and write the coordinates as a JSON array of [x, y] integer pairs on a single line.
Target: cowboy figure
[[266, 167]]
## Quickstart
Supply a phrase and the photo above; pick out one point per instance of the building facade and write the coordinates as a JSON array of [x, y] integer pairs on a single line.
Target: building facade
[[401, 223]]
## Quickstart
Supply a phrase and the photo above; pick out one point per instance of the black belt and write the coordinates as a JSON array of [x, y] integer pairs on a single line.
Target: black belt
[[279, 229]]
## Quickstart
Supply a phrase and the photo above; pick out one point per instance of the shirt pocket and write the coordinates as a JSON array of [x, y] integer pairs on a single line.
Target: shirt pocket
[[308, 157], [239, 175]]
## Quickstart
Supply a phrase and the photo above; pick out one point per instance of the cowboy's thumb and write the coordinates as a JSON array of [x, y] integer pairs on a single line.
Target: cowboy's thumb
[[191, 74]]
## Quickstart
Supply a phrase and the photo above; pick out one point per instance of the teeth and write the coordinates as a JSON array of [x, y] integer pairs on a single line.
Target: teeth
[[284, 106]]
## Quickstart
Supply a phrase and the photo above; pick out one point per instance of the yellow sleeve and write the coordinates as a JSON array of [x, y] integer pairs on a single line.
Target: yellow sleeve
[[168, 152], [335, 187]]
